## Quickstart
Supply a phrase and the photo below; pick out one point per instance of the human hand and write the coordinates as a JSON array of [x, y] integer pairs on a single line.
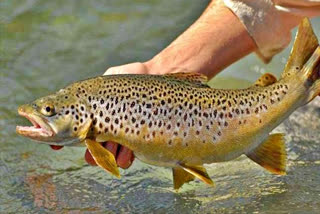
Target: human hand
[[132, 68], [123, 155]]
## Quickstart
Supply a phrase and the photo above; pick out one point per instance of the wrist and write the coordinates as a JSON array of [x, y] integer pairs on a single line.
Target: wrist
[[148, 66], [159, 65]]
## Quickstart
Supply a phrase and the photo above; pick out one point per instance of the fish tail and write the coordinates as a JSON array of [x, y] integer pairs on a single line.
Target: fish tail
[[304, 60], [311, 71]]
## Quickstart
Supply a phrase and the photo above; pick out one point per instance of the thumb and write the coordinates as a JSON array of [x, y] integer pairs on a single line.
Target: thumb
[[132, 68], [115, 70]]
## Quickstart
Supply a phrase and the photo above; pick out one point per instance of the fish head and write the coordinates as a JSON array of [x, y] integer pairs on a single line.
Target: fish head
[[55, 120]]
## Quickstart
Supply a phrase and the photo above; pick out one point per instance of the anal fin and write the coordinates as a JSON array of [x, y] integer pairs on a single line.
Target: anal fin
[[271, 154], [180, 177], [198, 172], [103, 157]]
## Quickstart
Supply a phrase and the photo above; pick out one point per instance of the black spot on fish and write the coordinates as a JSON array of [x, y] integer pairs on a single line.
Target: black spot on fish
[[107, 119], [215, 112], [185, 117]]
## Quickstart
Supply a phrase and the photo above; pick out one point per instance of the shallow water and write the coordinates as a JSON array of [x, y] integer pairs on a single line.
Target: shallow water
[[47, 44]]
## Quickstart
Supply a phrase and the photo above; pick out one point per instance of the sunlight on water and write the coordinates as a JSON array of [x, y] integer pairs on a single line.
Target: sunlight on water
[[45, 45]]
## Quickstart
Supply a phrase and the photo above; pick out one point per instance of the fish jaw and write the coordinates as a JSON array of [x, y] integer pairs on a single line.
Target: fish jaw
[[40, 130]]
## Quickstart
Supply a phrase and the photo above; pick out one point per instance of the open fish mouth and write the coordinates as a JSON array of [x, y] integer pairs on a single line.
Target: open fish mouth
[[40, 128]]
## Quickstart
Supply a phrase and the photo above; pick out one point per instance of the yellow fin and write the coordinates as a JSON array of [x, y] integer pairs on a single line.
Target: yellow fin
[[304, 45], [271, 154], [266, 79], [83, 130], [194, 78], [199, 172], [103, 157], [180, 177]]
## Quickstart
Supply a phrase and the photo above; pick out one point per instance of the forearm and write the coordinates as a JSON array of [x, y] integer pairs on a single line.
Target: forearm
[[227, 32], [269, 22], [214, 41]]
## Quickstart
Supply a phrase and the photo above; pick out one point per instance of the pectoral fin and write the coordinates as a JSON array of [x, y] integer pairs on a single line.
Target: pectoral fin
[[83, 130], [198, 172], [271, 154], [103, 157], [180, 177]]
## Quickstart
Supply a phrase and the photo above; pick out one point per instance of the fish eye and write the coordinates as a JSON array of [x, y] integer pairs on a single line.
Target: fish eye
[[48, 110]]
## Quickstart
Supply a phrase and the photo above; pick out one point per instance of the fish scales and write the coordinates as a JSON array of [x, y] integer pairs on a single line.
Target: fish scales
[[143, 110], [177, 120]]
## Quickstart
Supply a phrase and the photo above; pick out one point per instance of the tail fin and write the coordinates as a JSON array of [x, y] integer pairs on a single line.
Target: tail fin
[[304, 46], [305, 59], [311, 70]]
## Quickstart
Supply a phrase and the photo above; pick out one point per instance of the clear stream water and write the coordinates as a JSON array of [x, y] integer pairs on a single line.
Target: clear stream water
[[46, 44]]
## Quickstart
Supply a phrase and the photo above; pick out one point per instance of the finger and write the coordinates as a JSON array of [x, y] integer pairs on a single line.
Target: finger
[[112, 147], [88, 157], [54, 147], [114, 70], [131, 68], [125, 157], [132, 158]]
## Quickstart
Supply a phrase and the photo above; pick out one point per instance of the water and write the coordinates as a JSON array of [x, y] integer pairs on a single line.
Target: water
[[47, 44]]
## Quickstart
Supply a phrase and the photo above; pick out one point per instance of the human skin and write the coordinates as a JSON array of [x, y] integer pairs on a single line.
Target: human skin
[[216, 40]]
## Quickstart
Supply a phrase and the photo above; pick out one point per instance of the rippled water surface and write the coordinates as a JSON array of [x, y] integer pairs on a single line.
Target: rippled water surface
[[46, 44]]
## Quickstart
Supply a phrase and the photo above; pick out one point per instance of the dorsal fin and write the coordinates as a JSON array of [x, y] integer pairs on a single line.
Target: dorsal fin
[[265, 80], [194, 78], [304, 45]]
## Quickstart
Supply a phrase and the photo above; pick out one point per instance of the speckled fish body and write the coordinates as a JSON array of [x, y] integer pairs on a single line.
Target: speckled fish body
[[176, 120], [165, 120]]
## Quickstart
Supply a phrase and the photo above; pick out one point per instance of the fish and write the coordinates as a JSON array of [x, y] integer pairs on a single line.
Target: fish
[[176, 120]]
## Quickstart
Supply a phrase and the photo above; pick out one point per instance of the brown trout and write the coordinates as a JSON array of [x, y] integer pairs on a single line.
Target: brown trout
[[176, 120]]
